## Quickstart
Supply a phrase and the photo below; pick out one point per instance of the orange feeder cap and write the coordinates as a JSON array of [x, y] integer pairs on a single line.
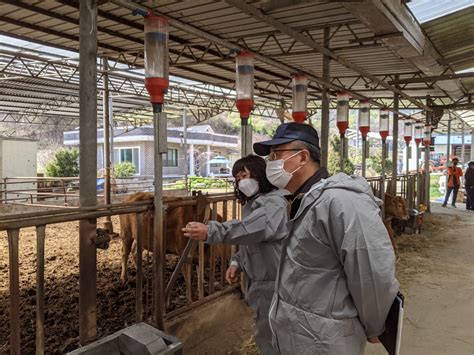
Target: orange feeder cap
[[342, 126], [299, 117], [383, 134], [157, 88], [364, 131], [245, 106]]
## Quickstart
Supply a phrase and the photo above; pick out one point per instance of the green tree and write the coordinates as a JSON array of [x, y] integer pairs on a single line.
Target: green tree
[[124, 169], [334, 158], [64, 164], [374, 161]]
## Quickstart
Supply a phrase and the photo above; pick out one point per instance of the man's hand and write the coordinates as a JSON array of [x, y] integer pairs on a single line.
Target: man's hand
[[373, 340], [231, 275], [196, 231]]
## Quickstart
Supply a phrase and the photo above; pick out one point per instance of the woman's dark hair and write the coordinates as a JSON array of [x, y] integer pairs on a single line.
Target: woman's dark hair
[[256, 166]]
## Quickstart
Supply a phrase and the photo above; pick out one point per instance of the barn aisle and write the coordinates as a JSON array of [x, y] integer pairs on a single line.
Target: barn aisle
[[438, 283]]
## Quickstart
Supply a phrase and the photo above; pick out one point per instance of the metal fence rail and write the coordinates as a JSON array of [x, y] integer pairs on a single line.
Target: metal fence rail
[[64, 191], [411, 187], [216, 206]]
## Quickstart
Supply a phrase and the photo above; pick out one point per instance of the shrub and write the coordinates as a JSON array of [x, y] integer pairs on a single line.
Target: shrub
[[124, 169], [197, 183], [64, 164], [334, 159], [374, 162]]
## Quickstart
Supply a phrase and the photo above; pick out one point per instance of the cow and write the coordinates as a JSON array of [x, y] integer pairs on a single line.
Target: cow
[[395, 208], [176, 220]]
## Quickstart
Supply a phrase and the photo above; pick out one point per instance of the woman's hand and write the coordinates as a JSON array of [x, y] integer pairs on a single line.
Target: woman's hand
[[374, 340], [232, 274], [196, 231]]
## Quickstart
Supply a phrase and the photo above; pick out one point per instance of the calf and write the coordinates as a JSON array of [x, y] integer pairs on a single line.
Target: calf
[[395, 208], [175, 242]]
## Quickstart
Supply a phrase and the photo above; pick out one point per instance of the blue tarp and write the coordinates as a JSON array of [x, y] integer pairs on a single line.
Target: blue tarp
[[100, 183]]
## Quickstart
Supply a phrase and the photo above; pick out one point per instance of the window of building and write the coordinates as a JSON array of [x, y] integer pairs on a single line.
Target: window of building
[[171, 158], [131, 154]]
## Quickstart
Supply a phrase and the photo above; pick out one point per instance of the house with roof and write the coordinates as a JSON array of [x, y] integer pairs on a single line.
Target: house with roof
[[455, 146], [206, 153]]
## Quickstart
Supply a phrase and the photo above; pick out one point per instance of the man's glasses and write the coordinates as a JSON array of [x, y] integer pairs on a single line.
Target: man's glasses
[[273, 153]]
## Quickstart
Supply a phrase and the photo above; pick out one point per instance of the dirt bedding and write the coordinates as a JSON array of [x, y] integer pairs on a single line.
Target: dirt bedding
[[413, 255]]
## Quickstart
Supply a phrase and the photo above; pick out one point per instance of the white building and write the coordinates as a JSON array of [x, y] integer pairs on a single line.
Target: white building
[[136, 146]]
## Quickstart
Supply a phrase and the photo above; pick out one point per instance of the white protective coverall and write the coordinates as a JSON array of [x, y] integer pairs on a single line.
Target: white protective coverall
[[336, 278], [259, 234]]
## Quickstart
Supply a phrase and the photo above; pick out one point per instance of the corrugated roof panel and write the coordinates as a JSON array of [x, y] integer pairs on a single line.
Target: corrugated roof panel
[[428, 10], [453, 36]]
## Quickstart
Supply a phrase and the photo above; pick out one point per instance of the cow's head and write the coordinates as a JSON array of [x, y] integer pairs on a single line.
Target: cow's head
[[395, 207]]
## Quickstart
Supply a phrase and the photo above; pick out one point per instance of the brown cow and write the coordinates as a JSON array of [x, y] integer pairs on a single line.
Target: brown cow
[[177, 218], [395, 207]]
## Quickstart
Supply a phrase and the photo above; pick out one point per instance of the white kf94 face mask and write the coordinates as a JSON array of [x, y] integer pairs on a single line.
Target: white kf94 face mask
[[277, 175], [249, 187]]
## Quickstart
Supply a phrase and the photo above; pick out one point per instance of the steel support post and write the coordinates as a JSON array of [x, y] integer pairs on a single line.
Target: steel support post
[[246, 138], [393, 183], [472, 144], [418, 177], [342, 152], [407, 161], [160, 148], [325, 102], [88, 169], [382, 174], [448, 146], [185, 146], [427, 177], [106, 125], [364, 155]]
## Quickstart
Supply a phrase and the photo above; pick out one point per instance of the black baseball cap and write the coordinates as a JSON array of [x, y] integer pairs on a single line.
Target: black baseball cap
[[286, 133]]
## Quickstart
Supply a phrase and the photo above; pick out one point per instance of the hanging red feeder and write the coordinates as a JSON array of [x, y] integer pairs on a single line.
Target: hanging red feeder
[[300, 92], [342, 112], [418, 133], [156, 57], [244, 83], [364, 118], [427, 136], [384, 124], [408, 130]]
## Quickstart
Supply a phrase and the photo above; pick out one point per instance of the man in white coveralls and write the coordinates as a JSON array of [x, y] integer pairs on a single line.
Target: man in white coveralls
[[336, 279]]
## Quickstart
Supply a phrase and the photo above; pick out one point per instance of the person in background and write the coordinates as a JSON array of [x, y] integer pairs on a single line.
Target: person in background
[[400, 166], [454, 182], [336, 280], [259, 234], [469, 186]]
